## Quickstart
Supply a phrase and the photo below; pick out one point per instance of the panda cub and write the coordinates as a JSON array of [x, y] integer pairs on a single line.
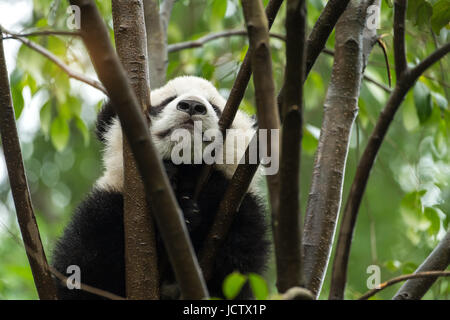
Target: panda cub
[[94, 238]]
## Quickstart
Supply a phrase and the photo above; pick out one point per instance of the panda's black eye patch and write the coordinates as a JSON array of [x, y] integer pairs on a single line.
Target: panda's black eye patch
[[155, 110], [216, 109]]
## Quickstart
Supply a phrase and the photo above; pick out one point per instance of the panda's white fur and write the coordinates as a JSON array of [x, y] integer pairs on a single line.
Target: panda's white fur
[[184, 88]]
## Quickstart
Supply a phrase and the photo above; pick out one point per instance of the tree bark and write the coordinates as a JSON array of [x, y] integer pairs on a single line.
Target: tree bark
[[161, 197], [156, 25], [141, 260], [288, 247], [399, 37], [266, 106], [340, 109], [19, 188]]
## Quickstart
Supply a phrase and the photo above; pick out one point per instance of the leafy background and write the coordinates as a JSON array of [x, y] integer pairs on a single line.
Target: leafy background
[[406, 208]]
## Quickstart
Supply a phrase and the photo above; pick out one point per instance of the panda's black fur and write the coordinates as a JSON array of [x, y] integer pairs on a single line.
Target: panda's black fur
[[94, 238]]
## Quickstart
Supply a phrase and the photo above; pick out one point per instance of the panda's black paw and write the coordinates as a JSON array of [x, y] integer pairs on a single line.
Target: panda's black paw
[[191, 212]]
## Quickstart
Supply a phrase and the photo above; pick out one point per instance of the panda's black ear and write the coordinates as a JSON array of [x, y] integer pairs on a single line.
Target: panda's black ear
[[104, 120]]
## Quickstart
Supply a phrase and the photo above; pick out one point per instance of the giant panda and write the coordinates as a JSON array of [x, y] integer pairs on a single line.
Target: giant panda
[[94, 238]]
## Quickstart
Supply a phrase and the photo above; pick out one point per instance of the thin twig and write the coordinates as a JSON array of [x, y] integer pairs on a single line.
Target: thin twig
[[45, 33], [200, 42], [71, 73], [384, 285], [384, 49]]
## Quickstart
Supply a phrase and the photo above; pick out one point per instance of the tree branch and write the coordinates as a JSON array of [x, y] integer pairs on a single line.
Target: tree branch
[[141, 259], [19, 188], [340, 109], [71, 73], [228, 208], [428, 274], [44, 33], [236, 94], [438, 260], [161, 197], [266, 106], [156, 26], [404, 84], [200, 42], [399, 37], [322, 30], [165, 13], [288, 248]]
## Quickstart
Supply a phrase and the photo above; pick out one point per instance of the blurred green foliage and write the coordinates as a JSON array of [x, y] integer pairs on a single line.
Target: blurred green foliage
[[406, 207]]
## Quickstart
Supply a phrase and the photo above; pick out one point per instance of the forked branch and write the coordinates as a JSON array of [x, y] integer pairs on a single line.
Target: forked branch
[[350, 214]]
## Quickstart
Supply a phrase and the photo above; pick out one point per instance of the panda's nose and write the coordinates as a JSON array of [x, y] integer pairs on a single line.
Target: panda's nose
[[191, 107]]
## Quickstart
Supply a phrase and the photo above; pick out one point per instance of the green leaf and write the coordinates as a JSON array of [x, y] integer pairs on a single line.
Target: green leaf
[[259, 286], [423, 102], [46, 117], [233, 284], [16, 85], [440, 100], [310, 139], [441, 15], [419, 12], [59, 133], [432, 215], [17, 98], [409, 114], [393, 265], [409, 267], [411, 209]]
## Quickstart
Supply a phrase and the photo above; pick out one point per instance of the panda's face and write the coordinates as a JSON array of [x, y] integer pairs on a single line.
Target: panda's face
[[179, 104]]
